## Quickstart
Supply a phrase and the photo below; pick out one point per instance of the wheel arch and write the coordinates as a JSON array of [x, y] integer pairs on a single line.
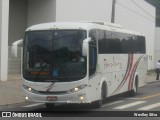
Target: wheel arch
[[104, 84], [136, 80]]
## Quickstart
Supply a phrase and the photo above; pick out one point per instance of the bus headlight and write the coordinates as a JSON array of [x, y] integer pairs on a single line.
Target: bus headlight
[[29, 89], [76, 89]]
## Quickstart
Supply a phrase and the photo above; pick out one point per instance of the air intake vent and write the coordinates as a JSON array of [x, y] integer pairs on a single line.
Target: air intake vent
[[108, 24]]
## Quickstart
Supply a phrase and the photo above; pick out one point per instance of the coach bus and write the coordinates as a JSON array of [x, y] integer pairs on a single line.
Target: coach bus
[[81, 62]]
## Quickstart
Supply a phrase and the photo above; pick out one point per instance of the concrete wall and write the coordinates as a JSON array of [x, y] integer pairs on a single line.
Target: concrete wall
[[4, 13], [24, 13], [0, 30], [18, 14], [139, 18], [40, 11], [157, 56], [17, 19], [14, 65], [157, 38], [157, 44], [83, 10]]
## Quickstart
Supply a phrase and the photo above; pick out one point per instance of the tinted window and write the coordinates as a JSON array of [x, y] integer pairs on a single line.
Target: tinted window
[[114, 42], [93, 35], [54, 56]]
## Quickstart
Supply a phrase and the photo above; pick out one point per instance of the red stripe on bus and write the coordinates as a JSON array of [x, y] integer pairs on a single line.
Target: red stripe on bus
[[126, 74], [50, 87], [126, 77], [133, 71]]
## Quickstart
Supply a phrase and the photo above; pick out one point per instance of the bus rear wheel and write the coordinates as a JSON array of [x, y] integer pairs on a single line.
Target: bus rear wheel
[[134, 91]]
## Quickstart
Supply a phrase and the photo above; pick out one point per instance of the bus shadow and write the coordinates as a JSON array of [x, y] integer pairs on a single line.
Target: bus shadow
[[80, 108]]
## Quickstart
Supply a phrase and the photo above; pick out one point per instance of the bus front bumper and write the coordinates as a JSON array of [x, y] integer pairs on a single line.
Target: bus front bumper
[[77, 97]]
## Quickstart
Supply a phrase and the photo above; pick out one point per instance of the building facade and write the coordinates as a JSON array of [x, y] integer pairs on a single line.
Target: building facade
[[157, 44], [139, 16], [17, 15]]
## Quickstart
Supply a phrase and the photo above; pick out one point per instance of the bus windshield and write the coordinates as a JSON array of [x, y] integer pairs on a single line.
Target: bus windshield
[[54, 55]]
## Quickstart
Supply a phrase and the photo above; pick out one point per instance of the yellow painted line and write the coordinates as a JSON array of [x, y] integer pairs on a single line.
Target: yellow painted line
[[150, 96]]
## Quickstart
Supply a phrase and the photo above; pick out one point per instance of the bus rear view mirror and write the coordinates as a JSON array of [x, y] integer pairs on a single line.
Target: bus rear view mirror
[[14, 48], [85, 46]]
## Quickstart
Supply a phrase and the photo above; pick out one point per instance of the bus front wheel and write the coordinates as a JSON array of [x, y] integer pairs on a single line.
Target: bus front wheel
[[100, 102]]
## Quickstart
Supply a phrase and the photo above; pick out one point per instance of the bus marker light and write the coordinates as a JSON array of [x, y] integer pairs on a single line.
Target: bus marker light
[[26, 98], [30, 89], [76, 89], [81, 98]]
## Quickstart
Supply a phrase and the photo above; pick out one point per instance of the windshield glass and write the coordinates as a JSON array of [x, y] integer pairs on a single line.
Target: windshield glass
[[54, 56]]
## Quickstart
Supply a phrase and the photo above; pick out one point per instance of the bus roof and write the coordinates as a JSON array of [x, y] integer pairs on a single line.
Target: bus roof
[[81, 26]]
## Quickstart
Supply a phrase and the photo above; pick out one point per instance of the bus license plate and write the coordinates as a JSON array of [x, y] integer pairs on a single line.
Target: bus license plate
[[51, 98]]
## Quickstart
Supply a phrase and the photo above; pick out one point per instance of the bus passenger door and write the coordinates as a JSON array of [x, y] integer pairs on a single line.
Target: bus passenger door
[[93, 78]]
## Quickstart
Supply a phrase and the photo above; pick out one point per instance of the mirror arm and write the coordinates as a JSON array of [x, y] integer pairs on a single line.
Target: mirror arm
[[85, 46], [16, 43], [15, 46]]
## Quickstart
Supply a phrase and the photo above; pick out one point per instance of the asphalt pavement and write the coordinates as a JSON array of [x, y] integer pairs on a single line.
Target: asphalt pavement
[[11, 91]]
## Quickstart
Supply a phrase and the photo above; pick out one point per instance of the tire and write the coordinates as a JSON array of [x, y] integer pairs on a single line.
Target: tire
[[135, 88], [49, 105], [100, 102]]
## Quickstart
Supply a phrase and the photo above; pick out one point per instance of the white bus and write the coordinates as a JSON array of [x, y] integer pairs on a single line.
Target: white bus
[[83, 62]]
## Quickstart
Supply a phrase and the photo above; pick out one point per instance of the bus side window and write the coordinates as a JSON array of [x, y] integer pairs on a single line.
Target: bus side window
[[92, 60]]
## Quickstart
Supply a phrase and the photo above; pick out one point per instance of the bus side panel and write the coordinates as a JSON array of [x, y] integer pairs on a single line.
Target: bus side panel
[[142, 70], [113, 68], [120, 71], [94, 88]]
